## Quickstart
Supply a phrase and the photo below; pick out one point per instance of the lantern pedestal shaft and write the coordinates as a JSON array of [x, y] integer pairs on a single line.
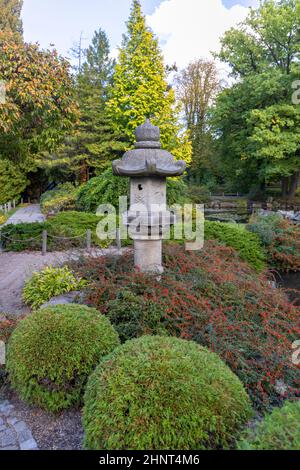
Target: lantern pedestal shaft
[[148, 256]]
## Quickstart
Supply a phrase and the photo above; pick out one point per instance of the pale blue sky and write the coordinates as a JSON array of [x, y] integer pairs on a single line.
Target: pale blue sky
[[61, 21]]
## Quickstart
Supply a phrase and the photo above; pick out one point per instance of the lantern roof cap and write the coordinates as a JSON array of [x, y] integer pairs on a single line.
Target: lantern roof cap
[[147, 135], [147, 158]]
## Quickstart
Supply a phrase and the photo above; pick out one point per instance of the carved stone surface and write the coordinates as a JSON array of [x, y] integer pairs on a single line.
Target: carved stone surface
[[147, 159], [148, 219]]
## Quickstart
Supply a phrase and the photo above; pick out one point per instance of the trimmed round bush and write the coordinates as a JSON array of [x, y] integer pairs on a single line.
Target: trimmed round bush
[[52, 352], [159, 393], [278, 431]]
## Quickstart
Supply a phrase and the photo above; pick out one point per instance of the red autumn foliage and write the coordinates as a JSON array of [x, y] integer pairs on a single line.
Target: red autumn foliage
[[215, 299]]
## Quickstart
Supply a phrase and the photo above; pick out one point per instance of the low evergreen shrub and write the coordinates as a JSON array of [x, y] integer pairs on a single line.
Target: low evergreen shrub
[[62, 198], [103, 189], [66, 230], [280, 430], [159, 393], [52, 352], [133, 315], [21, 237], [247, 244]]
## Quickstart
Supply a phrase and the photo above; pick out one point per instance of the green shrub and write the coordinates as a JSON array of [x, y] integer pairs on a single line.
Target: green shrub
[[13, 180], [66, 230], [62, 198], [265, 227], [280, 430], [103, 189], [177, 191], [22, 237], [133, 316], [198, 194], [49, 283], [281, 239], [246, 244], [107, 188], [74, 225], [163, 393], [52, 352], [8, 323]]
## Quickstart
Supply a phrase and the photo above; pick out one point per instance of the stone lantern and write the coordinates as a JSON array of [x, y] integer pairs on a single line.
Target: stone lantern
[[148, 217]]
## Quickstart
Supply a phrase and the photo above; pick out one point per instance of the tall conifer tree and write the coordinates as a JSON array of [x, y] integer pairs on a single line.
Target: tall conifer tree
[[141, 90], [94, 143]]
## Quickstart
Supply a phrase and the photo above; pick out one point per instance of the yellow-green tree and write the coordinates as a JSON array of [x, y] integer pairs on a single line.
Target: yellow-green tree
[[141, 89], [10, 16]]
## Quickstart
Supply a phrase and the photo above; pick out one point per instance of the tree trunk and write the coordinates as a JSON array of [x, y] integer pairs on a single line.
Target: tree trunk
[[294, 183], [284, 186], [83, 173]]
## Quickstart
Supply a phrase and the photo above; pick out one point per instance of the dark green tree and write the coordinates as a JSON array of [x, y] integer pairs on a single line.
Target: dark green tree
[[93, 143], [256, 120]]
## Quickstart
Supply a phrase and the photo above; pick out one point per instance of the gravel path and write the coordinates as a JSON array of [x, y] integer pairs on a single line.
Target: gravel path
[[15, 268], [26, 215]]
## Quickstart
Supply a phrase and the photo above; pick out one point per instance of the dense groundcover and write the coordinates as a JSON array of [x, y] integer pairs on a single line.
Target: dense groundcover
[[213, 298]]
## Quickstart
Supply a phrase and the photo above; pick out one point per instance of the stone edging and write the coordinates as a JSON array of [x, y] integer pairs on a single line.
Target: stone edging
[[14, 434]]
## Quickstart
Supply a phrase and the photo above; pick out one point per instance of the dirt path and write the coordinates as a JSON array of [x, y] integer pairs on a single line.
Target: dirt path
[[15, 268]]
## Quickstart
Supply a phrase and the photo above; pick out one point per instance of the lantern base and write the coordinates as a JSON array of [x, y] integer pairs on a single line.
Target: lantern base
[[148, 256]]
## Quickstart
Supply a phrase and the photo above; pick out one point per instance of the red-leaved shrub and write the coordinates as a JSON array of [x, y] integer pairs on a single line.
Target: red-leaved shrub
[[215, 299]]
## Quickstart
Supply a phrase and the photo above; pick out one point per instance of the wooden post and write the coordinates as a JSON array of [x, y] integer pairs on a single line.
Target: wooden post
[[44, 244], [118, 240], [88, 239], [14, 203]]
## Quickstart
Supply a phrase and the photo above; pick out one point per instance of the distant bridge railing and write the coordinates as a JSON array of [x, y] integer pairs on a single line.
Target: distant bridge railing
[[224, 195]]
